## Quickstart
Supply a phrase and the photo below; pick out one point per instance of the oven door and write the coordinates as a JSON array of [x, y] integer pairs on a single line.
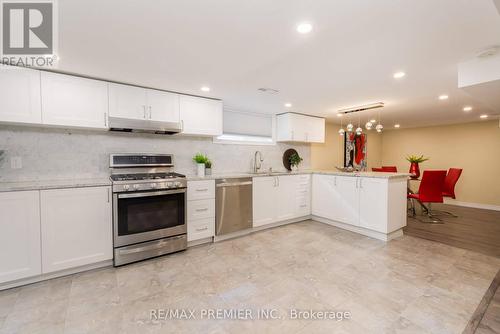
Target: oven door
[[145, 216]]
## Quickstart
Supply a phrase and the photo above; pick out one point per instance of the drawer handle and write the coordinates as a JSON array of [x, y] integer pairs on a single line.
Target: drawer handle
[[204, 189], [201, 210], [202, 229]]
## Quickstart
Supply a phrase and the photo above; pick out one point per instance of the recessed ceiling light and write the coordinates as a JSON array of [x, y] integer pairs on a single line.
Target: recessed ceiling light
[[288, 105], [205, 89], [467, 108], [339, 115], [304, 28], [373, 120], [397, 126], [483, 116], [443, 97], [399, 75]]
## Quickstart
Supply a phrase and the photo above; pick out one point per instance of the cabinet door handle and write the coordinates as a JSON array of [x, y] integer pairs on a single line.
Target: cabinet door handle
[[361, 183], [105, 119], [150, 112], [356, 182], [202, 229], [204, 189], [108, 195], [144, 111], [201, 210], [335, 181]]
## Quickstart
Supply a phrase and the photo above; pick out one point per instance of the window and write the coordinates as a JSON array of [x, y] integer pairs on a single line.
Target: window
[[247, 128]]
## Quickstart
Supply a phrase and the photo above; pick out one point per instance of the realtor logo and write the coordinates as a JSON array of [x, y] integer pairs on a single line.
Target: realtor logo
[[28, 29]]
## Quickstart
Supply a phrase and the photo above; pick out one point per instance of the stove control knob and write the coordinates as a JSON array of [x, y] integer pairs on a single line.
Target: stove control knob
[[161, 185], [135, 186], [154, 185], [126, 187], [178, 184], [169, 185]]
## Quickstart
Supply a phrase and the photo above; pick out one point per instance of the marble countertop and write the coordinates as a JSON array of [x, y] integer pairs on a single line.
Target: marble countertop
[[104, 181], [381, 175], [53, 184]]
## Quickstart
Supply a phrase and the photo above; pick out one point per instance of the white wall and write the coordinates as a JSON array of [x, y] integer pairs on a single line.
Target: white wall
[[61, 154]]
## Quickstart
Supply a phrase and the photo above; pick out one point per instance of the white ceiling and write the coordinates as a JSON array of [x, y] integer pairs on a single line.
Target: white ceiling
[[237, 46]]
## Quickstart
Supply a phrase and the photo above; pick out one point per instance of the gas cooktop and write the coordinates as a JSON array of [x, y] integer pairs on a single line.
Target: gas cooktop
[[146, 176]]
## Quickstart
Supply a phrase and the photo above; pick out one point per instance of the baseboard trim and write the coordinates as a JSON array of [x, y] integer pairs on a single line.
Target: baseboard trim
[[44, 277], [360, 230], [260, 228], [472, 205]]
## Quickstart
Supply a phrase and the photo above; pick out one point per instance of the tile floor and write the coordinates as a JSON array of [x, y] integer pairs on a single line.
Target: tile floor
[[408, 285]]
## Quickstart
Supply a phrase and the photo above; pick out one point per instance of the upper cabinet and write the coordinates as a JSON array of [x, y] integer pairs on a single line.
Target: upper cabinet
[[141, 103], [291, 127], [74, 101], [201, 116], [20, 95]]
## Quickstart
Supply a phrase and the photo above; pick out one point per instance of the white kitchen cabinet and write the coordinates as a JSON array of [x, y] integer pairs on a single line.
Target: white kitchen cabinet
[[127, 101], [292, 127], [302, 195], [76, 227], [20, 95], [200, 209], [163, 106], [280, 198], [326, 197], [140, 103], [364, 203], [200, 116], [19, 235], [373, 204], [285, 201], [264, 195], [347, 187], [73, 101]]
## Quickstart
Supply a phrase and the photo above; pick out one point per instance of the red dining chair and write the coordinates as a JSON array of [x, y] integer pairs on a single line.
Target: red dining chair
[[450, 181], [375, 169], [390, 169], [449, 186], [430, 191]]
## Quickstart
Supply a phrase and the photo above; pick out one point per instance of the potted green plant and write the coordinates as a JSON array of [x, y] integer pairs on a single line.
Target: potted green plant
[[295, 161], [200, 160], [414, 165], [208, 167]]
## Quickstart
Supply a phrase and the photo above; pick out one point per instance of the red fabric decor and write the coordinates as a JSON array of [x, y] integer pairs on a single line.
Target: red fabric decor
[[360, 144]]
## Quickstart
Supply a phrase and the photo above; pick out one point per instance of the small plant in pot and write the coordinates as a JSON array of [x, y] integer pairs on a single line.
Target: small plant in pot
[[200, 160], [208, 167], [295, 161], [414, 165]]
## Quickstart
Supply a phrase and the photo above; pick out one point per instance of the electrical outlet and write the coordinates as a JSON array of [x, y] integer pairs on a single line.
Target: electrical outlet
[[16, 163]]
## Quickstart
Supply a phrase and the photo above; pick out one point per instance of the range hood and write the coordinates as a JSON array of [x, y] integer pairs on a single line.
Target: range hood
[[143, 126]]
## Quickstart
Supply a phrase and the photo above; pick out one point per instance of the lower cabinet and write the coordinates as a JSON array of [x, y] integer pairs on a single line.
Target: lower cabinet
[[200, 209], [376, 204], [19, 235], [279, 198], [76, 227]]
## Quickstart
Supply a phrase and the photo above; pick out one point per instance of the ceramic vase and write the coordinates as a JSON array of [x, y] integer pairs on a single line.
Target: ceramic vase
[[414, 170], [200, 170]]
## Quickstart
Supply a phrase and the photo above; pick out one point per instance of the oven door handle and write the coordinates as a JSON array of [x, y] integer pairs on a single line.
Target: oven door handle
[[153, 193]]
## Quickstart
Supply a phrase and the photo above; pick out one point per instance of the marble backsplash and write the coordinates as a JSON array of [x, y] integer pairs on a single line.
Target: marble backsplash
[[54, 154]]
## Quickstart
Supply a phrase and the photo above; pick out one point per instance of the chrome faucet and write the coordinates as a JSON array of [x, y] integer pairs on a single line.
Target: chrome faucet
[[255, 166]]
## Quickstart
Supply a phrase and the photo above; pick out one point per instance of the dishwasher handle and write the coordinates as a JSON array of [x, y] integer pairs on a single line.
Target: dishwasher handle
[[234, 184]]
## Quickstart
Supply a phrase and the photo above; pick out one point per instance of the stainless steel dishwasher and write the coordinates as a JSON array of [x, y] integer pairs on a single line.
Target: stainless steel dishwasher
[[233, 205]]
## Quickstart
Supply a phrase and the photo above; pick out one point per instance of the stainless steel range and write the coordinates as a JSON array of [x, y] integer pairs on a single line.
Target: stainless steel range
[[149, 207]]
